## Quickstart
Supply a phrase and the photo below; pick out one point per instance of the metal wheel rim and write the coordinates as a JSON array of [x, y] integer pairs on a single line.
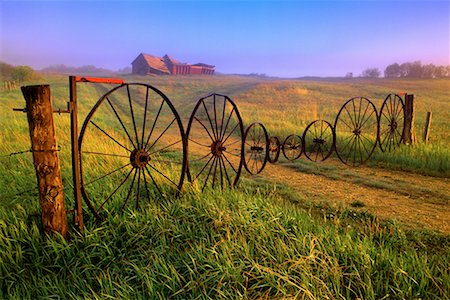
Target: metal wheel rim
[[140, 152], [274, 149], [354, 129], [221, 137], [392, 117], [292, 147], [256, 146], [316, 140]]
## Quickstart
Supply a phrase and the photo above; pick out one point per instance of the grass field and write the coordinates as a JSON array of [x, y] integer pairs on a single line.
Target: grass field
[[263, 240]]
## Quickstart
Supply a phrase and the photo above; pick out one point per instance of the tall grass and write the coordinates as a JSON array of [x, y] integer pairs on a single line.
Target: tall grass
[[254, 242], [231, 244]]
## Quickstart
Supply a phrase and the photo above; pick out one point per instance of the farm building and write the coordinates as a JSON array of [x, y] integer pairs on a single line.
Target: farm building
[[146, 64]]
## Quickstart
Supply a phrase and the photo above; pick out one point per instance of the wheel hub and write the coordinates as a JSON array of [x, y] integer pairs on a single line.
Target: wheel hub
[[319, 141], [393, 124], [257, 148], [139, 158], [217, 148], [357, 131]]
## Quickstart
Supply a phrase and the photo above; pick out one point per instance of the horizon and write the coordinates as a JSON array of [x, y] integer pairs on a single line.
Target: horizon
[[279, 39]]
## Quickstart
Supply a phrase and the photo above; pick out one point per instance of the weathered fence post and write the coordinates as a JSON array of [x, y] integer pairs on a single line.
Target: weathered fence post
[[426, 130], [409, 131], [45, 157]]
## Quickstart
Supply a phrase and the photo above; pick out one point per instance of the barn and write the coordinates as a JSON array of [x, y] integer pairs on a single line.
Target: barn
[[146, 64]]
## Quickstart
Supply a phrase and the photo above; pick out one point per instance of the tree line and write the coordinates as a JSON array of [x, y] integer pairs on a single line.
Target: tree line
[[407, 70]]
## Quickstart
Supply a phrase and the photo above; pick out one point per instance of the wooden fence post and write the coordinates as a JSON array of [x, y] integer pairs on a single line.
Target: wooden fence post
[[45, 157], [409, 131], [426, 130]]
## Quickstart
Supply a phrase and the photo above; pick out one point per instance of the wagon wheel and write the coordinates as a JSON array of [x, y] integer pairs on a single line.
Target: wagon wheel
[[356, 131], [292, 147], [318, 140], [274, 149], [215, 142], [391, 122], [256, 143], [132, 149]]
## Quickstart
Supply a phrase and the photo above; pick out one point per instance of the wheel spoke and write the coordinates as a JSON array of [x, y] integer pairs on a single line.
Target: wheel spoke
[[146, 185], [138, 189], [225, 171], [132, 115], [204, 167], [120, 121], [154, 123], [107, 174], [209, 173], [168, 126], [212, 139], [226, 125], [365, 121], [223, 116], [145, 117], [115, 190], [365, 111], [160, 173], [231, 165], [154, 182], [164, 148], [203, 145], [215, 115], [237, 124], [210, 121], [98, 127], [104, 154], [130, 189]]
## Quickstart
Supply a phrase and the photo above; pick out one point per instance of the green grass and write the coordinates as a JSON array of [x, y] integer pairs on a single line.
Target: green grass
[[232, 244], [258, 241]]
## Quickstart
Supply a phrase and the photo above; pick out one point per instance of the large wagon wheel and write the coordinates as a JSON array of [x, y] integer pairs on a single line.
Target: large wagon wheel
[[274, 149], [215, 142], [292, 147], [132, 149], [356, 130], [391, 122], [256, 143], [318, 140]]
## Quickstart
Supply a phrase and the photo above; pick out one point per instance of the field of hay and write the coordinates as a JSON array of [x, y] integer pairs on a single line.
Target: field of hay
[[297, 230]]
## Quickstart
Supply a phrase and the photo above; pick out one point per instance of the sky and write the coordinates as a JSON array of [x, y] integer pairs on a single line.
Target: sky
[[277, 38]]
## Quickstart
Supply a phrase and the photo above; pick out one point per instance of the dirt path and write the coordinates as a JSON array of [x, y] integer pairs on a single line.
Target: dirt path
[[416, 201]]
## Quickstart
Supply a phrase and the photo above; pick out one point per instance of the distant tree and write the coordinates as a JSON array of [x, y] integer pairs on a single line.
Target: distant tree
[[392, 71], [442, 71], [349, 75], [371, 73], [6, 70], [429, 71], [23, 73]]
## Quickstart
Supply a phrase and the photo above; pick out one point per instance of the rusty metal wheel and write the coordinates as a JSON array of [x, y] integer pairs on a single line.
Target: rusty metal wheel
[[356, 130], [391, 122], [256, 144], [132, 149], [274, 149], [292, 147], [318, 140], [215, 142]]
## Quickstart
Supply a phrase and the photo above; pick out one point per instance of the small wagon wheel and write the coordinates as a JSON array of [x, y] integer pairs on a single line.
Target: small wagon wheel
[[318, 140], [131, 149], [256, 142], [215, 142], [356, 131], [292, 147], [391, 122], [274, 149]]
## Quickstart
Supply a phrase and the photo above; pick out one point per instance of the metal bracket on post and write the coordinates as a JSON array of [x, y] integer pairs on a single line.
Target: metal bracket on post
[[76, 168]]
